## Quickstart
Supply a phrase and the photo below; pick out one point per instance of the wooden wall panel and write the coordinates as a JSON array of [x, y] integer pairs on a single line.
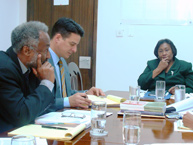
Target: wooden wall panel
[[83, 12]]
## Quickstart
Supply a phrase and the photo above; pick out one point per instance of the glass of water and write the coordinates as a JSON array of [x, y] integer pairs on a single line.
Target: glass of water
[[180, 91], [98, 118], [131, 127], [134, 93], [160, 91], [23, 140]]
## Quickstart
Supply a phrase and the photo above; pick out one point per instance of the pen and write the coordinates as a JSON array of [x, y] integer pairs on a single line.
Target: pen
[[86, 97], [52, 123], [179, 117], [54, 127]]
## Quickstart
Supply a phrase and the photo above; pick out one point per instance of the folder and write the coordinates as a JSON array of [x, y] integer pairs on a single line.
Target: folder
[[49, 133], [151, 96]]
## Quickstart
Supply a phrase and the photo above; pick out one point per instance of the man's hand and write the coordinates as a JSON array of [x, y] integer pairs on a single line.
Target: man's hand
[[44, 71], [188, 120], [79, 100], [95, 91]]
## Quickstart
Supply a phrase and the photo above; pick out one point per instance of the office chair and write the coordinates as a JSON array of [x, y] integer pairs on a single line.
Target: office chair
[[75, 75]]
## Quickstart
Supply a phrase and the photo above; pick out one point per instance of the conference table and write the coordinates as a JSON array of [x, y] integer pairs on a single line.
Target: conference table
[[153, 130]]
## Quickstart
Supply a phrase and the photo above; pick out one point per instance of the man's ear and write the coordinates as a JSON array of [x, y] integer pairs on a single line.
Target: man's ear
[[58, 37], [26, 50]]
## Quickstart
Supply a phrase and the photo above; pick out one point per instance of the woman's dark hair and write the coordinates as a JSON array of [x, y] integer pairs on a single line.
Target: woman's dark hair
[[160, 42]]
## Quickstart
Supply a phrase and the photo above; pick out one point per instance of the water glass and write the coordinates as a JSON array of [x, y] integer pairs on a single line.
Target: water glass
[[160, 90], [180, 91], [98, 118], [23, 140], [131, 127], [134, 93], [97, 140]]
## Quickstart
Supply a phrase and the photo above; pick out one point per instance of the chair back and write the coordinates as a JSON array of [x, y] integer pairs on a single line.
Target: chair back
[[75, 75]]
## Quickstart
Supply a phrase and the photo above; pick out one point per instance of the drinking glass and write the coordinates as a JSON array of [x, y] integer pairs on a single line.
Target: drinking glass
[[180, 91], [98, 118], [97, 140], [131, 127], [23, 140], [134, 93], [160, 90]]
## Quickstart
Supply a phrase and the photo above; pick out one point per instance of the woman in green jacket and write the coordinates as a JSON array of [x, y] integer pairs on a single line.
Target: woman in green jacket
[[168, 68]]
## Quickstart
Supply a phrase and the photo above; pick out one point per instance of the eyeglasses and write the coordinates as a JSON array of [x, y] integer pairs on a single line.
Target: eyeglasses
[[73, 115]]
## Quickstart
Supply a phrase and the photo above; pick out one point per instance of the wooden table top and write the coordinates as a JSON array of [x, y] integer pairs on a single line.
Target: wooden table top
[[152, 131]]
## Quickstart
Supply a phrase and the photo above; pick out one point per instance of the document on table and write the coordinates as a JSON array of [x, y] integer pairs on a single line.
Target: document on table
[[67, 117], [182, 105], [49, 132], [178, 126], [111, 100]]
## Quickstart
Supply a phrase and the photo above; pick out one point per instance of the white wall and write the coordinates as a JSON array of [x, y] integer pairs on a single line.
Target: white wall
[[120, 60], [12, 13]]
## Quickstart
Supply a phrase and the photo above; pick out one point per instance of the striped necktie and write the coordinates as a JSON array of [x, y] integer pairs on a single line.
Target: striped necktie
[[62, 78]]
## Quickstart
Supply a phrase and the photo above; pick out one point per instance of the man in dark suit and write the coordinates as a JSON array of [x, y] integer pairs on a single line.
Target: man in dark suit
[[26, 77]]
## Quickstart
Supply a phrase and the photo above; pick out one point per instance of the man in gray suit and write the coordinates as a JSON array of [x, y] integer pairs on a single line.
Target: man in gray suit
[[65, 37]]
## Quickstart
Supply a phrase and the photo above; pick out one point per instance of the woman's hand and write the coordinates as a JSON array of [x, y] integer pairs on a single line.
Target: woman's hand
[[172, 90], [163, 64]]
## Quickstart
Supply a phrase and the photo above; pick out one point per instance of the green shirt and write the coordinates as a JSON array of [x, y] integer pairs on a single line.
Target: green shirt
[[180, 73]]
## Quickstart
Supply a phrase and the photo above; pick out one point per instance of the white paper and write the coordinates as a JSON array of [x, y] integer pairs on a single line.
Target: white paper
[[179, 129], [182, 105], [56, 117], [61, 2]]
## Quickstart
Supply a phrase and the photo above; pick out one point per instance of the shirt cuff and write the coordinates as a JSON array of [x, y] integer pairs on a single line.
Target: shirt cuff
[[66, 102], [48, 84]]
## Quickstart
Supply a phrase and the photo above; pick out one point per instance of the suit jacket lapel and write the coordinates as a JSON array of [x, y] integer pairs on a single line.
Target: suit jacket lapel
[[175, 67], [58, 93], [14, 58]]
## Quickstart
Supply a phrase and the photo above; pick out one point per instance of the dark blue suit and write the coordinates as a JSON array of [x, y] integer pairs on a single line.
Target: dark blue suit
[[19, 105]]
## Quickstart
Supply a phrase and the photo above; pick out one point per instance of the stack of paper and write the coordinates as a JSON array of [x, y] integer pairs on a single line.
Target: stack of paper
[[144, 106], [111, 100], [147, 109]]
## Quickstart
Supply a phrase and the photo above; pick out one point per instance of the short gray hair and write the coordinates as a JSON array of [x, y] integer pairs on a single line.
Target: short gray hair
[[27, 34]]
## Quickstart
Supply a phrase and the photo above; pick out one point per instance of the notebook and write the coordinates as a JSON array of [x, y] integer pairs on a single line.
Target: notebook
[[49, 133]]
